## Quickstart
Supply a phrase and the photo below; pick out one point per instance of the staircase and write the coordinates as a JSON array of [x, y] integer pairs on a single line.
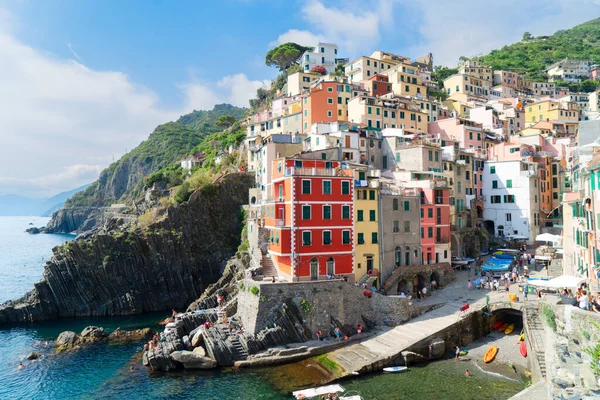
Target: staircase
[[268, 269], [240, 352], [536, 332]]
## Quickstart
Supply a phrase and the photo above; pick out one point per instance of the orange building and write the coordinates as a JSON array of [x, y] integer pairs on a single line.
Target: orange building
[[377, 85], [326, 102], [310, 218]]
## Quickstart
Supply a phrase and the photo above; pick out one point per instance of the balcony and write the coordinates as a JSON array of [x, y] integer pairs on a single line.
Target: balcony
[[301, 171], [442, 240], [279, 223], [543, 154]]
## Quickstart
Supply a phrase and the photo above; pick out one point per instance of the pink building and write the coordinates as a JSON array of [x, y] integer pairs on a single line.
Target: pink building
[[506, 78], [468, 133], [595, 72]]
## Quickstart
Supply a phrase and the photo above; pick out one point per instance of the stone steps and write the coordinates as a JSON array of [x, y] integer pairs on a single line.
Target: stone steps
[[268, 268]]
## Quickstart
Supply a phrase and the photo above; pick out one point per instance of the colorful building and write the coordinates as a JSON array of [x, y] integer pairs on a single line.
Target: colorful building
[[310, 218], [367, 221]]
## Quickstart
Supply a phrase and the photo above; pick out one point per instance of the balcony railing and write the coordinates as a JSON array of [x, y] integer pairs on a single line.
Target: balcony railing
[[301, 171], [442, 240]]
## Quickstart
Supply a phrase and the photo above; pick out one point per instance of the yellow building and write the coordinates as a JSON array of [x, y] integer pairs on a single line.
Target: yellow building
[[551, 110], [384, 113], [462, 87], [366, 221], [461, 109], [406, 81], [473, 68]]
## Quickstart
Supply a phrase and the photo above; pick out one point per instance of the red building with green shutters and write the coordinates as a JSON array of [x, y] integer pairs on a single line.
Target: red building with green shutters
[[309, 215]]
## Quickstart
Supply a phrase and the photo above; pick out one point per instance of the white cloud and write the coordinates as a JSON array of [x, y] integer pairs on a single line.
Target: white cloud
[[62, 122], [70, 46], [451, 32], [353, 28]]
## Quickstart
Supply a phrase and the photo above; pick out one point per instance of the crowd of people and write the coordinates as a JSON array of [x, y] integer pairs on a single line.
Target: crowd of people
[[583, 298]]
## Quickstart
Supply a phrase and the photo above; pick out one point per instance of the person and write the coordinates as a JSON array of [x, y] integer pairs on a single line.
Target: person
[[319, 334], [583, 301], [570, 293], [467, 374], [146, 347], [506, 278], [507, 286], [418, 295], [220, 300], [496, 284], [174, 313], [469, 285], [338, 334], [402, 295], [358, 329], [457, 353], [424, 291], [433, 285], [539, 293], [21, 366], [525, 290]]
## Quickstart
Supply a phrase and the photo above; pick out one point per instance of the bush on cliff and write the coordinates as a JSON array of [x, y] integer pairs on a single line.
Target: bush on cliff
[[183, 193]]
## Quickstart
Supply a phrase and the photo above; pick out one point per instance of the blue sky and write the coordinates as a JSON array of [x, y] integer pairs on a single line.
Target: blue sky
[[84, 81]]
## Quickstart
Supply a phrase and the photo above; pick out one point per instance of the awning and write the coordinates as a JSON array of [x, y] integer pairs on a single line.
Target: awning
[[563, 281], [543, 258], [547, 237], [314, 392]]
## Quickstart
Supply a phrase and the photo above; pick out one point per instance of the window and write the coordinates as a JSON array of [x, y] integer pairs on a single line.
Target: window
[[374, 237], [422, 233], [359, 215], [329, 114], [326, 187], [395, 204], [330, 89], [509, 183], [326, 237], [430, 213], [345, 187], [494, 184], [437, 156], [430, 232], [306, 238], [326, 212], [496, 199], [371, 195], [396, 226], [492, 169], [305, 212], [369, 110], [306, 186], [430, 155], [345, 237], [361, 176], [508, 217], [371, 215], [422, 212], [345, 212], [509, 198], [361, 238], [406, 205], [329, 100]]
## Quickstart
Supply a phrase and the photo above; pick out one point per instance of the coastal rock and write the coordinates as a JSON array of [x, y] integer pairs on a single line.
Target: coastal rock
[[166, 265], [200, 351], [67, 337], [33, 230], [121, 336], [33, 356], [197, 339], [93, 333], [191, 360], [186, 342]]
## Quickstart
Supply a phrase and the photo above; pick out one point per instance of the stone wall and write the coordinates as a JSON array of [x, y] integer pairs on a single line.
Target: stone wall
[[570, 374], [323, 304], [404, 278]]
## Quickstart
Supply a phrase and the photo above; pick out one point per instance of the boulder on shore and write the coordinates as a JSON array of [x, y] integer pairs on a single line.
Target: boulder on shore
[[191, 360], [120, 336], [197, 339], [66, 340], [33, 356], [93, 332], [199, 351]]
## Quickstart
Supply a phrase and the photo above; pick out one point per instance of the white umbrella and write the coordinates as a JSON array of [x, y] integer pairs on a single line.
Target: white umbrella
[[547, 237]]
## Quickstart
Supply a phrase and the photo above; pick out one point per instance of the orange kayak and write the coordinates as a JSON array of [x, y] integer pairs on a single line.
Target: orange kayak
[[523, 349], [503, 327], [497, 325], [490, 354]]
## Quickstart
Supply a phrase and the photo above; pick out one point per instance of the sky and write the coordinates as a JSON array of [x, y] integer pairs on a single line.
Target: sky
[[83, 82]]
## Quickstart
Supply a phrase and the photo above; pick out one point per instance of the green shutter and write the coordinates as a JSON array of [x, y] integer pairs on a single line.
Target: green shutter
[[345, 212], [371, 195], [371, 215], [345, 237], [359, 215], [361, 238], [306, 238], [374, 237], [306, 212], [306, 186], [326, 237], [326, 212], [345, 187], [406, 205]]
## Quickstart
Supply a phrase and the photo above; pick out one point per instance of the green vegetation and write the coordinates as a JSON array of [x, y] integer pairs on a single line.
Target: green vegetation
[[254, 290], [440, 73], [226, 121], [306, 306], [183, 193], [172, 175], [595, 353], [549, 316], [285, 55], [533, 54], [206, 121], [328, 363]]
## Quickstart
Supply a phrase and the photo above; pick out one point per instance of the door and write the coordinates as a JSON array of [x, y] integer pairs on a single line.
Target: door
[[347, 142], [314, 269], [330, 267]]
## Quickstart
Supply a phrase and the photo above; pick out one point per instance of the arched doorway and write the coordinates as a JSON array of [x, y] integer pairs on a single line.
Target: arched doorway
[[398, 256], [404, 287], [407, 256], [330, 266], [479, 212], [314, 269], [435, 277], [418, 282], [489, 226], [454, 244]]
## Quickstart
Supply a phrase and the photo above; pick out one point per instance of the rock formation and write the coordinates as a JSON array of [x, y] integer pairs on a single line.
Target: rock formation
[[121, 272], [69, 340]]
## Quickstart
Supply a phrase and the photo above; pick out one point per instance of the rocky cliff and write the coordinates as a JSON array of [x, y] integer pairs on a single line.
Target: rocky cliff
[[166, 265]]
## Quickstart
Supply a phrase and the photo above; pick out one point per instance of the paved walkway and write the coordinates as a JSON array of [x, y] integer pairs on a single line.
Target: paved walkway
[[384, 347]]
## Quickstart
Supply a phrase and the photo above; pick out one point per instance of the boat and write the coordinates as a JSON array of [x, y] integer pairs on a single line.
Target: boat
[[503, 327], [395, 369], [522, 337], [490, 354], [318, 391], [354, 397], [497, 325], [523, 349], [494, 267], [504, 256], [509, 329], [461, 261], [494, 260], [463, 353]]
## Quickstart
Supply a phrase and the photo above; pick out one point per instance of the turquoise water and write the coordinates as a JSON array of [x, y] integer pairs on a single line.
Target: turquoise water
[[115, 372]]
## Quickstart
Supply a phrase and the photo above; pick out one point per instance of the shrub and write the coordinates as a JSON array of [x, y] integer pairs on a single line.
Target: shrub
[[208, 189], [319, 69], [146, 219], [244, 246], [183, 193], [549, 316], [254, 290], [306, 307]]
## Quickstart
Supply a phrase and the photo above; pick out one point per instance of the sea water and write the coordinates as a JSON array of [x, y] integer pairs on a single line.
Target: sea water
[[115, 371]]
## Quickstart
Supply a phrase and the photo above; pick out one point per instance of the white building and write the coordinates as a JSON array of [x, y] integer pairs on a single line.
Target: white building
[[510, 195], [569, 70], [324, 54]]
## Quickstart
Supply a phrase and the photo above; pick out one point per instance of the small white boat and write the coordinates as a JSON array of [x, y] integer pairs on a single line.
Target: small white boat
[[316, 392], [395, 369]]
